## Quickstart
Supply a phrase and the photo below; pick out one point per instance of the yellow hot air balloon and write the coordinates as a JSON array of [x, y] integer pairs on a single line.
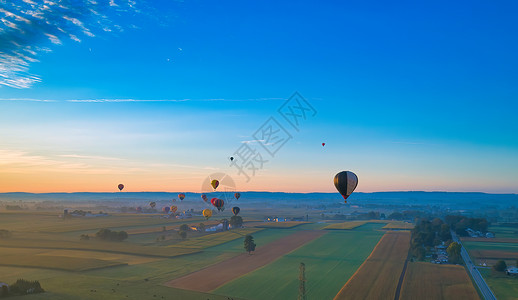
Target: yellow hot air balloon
[[207, 213]]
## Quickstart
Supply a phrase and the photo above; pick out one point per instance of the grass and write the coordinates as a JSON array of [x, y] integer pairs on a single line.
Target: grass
[[379, 275], [215, 239], [288, 224], [431, 281], [330, 260], [504, 287], [56, 262], [399, 225]]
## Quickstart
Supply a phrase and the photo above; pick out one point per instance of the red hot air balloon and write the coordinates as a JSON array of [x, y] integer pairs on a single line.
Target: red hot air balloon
[[181, 196], [212, 201], [323, 144], [120, 186], [237, 195], [218, 203]]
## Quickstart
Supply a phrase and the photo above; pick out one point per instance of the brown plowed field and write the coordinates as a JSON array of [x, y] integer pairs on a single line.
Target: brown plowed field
[[378, 276], [212, 277]]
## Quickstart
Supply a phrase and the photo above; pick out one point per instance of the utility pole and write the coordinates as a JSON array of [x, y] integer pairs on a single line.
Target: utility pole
[[302, 282]]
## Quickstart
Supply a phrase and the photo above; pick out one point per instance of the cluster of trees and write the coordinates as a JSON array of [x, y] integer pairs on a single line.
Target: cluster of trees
[[453, 251], [13, 207], [5, 234], [183, 231], [111, 235], [21, 287], [427, 234], [460, 223], [236, 222], [501, 265]]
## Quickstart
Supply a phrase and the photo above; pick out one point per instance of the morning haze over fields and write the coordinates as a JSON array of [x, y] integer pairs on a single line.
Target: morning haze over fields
[[258, 150]]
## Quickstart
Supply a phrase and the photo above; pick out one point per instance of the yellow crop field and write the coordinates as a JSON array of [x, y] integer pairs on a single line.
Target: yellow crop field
[[56, 262], [430, 281], [378, 276], [124, 258], [345, 225]]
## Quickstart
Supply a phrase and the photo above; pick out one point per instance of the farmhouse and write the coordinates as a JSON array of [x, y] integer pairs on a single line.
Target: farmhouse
[[511, 271]]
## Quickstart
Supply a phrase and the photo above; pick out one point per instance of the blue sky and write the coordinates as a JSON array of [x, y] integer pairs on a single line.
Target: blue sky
[[409, 96]]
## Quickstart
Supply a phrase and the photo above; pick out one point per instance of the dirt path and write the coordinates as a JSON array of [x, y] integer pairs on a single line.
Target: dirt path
[[212, 277]]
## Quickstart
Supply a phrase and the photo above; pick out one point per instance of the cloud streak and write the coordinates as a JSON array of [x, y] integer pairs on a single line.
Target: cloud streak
[[29, 28]]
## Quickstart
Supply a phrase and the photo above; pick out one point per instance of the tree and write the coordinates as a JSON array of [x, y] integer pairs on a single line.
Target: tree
[[183, 234], [84, 237], [454, 252], [395, 216], [302, 282], [184, 227], [249, 244], [201, 227], [500, 266], [236, 221]]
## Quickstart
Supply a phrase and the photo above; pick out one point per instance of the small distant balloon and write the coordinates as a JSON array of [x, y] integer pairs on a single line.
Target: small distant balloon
[[204, 197], [166, 209], [323, 144], [237, 195], [207, 213], [120, 186], [173, 209], [235, 210], [231, 158], [152, 204], [181, 196], [214, 183]]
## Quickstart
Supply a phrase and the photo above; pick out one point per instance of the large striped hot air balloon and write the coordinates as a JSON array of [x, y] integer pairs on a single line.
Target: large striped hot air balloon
[[345, 183], [218, 203], [235, 210]]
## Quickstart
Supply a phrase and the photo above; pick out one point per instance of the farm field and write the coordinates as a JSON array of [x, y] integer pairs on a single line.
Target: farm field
[[378, 276], [288, 224], [204, 281], [330, 261], [215, 239], [435, 282], [503, 286], [400, 225]]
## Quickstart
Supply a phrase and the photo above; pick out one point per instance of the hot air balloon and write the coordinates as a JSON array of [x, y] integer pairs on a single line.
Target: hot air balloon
[[323, 144], [120, 186], [231, 158], [173, 209], [218, 203], [237, 195], [152, 204], [214, 183], [181, 196], [207, 213], [212, 200], [166, 209], [345, 183], [235, 210], [204, 197]]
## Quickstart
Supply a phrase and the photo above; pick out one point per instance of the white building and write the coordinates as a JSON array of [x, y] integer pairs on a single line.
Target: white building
[[511, 271]]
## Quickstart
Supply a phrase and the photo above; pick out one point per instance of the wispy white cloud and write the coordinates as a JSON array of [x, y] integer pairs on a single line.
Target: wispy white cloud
[[25, 26], [95, 157], [141, 100]]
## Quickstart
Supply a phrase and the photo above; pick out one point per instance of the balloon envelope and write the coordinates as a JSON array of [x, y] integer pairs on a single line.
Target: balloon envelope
[[181, 196], [207, 213], [173, 208], [345, 183], [218, 203], [214, 183], [204, 197], [120, 186], [323, 144], [235, 210], [166, 209], [152, 204], [237, 195]]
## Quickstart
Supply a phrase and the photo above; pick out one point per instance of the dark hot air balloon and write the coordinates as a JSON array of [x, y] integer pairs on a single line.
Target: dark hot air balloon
[[120, 186], [323, 144], [345, 183], [152, 204], [235, 210], [166, 209]]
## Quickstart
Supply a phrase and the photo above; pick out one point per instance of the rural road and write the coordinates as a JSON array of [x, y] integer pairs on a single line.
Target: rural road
[[479, 280]]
